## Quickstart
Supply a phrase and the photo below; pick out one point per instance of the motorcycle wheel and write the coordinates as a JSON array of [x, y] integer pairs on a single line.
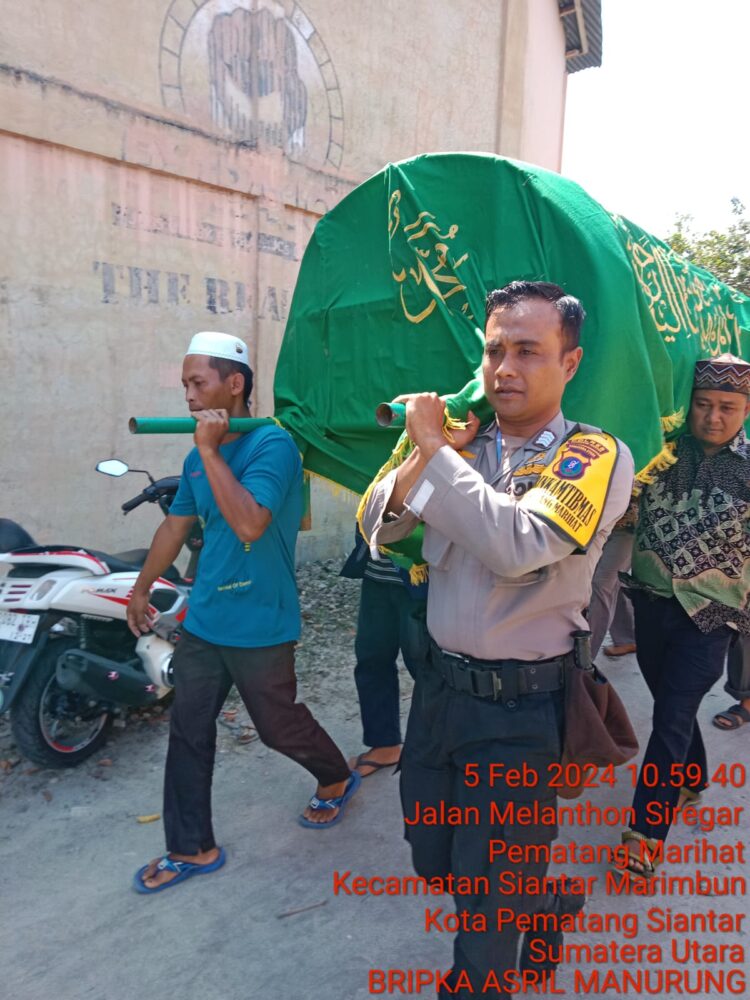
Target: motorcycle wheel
[[51, 726]]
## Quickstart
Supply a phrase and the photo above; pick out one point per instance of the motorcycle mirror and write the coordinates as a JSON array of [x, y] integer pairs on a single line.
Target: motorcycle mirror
[[112, 467]]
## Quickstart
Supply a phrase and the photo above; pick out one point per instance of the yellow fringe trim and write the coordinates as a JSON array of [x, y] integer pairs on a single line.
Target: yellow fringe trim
[[396, 458], [673, 420], [659, 463], [452, 424], [418, 572]]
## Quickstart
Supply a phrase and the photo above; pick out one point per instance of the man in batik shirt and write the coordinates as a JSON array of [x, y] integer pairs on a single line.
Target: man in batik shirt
[[690, 583]]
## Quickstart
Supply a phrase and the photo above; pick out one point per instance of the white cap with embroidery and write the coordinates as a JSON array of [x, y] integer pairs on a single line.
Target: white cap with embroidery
[[218, 345]]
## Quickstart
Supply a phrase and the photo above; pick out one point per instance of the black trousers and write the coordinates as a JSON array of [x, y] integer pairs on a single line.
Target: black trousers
[[738, 668], [448, 730], [680, 664], [265, 680], [389, 621]]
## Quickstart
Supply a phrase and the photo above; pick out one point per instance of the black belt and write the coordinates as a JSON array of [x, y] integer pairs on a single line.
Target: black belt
[[502, 680]]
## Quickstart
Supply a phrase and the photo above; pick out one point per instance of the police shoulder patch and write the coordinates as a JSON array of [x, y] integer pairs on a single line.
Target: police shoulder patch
[[571, 491]]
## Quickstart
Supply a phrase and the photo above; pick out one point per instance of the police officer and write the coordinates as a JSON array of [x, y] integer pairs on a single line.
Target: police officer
[[510, 576]]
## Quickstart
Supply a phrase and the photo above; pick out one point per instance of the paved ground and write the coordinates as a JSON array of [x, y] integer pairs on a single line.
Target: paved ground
[[268, 925]]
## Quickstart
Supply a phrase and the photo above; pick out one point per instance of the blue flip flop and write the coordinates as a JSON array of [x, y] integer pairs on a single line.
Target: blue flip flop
[[184, 869], [355, 780]]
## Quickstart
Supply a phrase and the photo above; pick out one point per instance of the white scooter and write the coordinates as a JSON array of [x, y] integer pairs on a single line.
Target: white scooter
[[68, 661]]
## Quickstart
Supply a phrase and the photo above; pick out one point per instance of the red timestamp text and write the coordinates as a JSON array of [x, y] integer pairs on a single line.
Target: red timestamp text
[[688, 775], [592, 776]]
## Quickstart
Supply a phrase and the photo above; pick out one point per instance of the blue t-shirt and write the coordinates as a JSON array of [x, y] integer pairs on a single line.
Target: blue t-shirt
[[245, 593]]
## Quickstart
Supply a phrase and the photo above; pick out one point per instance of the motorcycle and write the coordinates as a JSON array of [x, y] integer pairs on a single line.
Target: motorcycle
[[69, 664]]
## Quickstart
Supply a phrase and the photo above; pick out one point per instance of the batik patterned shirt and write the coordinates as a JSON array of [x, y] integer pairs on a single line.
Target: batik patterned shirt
[[693, 535]]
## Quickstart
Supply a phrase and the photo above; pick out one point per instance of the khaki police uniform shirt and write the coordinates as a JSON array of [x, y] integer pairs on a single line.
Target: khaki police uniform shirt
[[503, 583]]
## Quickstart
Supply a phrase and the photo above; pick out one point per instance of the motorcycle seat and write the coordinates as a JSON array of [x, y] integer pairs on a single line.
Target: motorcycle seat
[[123, 562], [13, 536]]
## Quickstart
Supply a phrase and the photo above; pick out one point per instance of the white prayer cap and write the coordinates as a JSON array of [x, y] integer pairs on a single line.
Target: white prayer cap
[[218, 345]]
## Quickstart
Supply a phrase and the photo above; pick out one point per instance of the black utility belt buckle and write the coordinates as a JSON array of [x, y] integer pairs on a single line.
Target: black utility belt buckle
[[507, 681], [478, 678]]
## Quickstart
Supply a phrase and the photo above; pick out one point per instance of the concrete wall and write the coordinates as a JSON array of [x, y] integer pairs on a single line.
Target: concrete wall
[[162, 165]]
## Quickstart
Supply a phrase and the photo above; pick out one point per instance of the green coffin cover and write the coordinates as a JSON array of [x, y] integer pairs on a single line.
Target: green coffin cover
[[390, 299]]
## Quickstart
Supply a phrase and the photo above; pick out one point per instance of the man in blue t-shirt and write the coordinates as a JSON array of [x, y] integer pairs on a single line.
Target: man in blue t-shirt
[[243, 619]]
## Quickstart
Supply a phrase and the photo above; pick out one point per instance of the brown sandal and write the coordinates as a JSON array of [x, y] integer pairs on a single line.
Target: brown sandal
[[642, 865], [688, 797]]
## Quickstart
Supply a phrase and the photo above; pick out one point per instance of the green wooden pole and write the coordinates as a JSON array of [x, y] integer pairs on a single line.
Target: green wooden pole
[[186, 425], [391, 414]]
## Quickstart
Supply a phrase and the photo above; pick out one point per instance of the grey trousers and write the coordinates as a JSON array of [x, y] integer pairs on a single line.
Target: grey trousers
[[609, 607]]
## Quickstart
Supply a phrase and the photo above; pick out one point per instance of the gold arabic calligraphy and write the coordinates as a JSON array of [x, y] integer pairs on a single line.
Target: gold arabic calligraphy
[[434, 276], [679, 300]]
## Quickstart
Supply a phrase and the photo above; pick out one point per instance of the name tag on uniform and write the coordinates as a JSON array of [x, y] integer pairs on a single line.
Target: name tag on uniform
[[420, 498]]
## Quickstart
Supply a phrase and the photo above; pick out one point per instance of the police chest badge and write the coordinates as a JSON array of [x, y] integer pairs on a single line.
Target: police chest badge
[[571, 491]]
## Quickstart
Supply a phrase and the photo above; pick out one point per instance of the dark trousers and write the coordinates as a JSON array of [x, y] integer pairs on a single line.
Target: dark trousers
[[446, 731], [389, 620], [738, 668], [680, 664], [265, 680]]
